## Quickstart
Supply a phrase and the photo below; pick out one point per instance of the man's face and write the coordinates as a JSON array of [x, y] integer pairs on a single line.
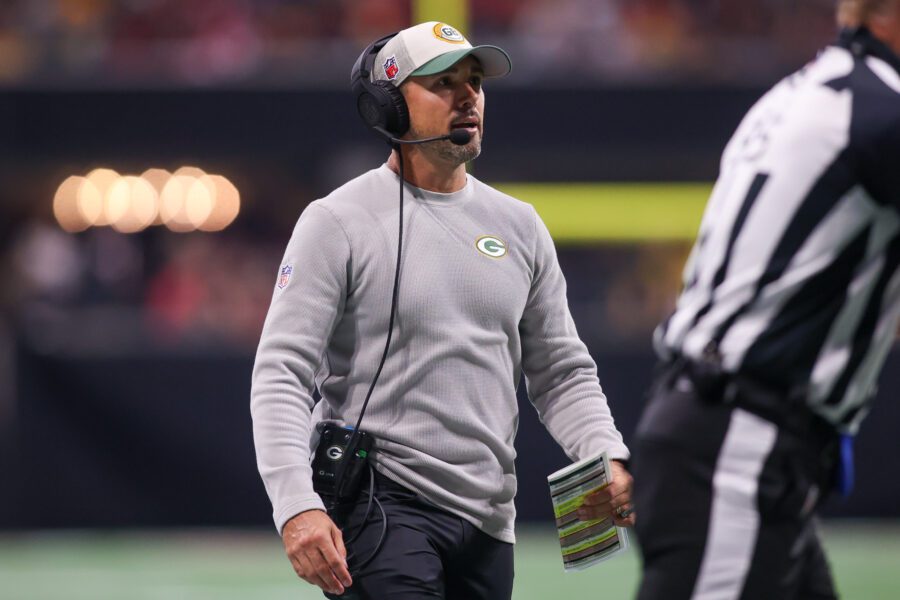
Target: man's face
[[449, 100]]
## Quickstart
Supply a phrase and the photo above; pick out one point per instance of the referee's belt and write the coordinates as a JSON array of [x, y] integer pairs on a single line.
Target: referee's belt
[[783, 406], [786, 408]]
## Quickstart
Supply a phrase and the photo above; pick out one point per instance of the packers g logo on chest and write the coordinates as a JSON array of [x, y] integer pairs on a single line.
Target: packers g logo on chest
[[491, 245]]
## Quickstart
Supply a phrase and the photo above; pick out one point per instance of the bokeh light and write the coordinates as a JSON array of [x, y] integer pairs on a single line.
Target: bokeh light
[[158, 179], [89, 201], [190, 171], [226, 207], [183, 201], [141, 204], [103, 179], [65, 205], [117, 199], [198, 203], [171, 203]]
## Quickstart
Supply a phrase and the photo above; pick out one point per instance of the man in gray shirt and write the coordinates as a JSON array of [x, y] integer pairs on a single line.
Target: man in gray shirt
[[481, 301]]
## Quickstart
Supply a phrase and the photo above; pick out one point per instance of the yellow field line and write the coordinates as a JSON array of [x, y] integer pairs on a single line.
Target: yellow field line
[[584, 213]]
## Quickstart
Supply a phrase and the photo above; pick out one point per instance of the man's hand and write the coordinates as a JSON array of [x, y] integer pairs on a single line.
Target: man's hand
[[315, 547], [612, 501]]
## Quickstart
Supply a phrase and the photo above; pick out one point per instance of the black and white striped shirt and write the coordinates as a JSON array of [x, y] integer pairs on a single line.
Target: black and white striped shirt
[[794, 277]]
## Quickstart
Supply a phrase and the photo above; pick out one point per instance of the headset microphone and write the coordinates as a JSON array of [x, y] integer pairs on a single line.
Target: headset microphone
[[459, 137]]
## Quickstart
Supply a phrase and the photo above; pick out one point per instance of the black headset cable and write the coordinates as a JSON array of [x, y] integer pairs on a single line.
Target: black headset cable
[[353, 436]]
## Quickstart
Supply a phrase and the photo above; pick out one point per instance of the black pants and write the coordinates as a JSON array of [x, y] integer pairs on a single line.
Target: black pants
[[725, 500], [426, 552]]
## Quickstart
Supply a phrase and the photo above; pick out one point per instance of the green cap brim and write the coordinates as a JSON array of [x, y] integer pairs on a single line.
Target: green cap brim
[[495, 61]]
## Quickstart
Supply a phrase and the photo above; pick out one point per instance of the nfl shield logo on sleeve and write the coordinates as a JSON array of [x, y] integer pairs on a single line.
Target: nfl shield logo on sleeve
[[285, 277]]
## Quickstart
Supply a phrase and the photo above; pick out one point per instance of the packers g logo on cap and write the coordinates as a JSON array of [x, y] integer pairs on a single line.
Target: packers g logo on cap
[[491, 245], [448, 34]]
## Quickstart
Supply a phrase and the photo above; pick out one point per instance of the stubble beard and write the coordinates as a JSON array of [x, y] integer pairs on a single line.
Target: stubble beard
[[448, 152]]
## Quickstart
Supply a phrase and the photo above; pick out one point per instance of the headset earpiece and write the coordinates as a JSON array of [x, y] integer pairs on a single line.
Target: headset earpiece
[[379, 103], [383, 105]]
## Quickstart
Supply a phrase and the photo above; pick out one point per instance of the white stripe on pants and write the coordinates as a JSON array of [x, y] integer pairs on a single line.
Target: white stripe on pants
[[734, 519]]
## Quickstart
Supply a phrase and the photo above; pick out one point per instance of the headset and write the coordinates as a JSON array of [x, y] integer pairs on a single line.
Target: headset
[[380, 103], [383, 108]]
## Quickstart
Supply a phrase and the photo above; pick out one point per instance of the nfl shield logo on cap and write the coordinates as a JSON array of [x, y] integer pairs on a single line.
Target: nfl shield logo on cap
[[390, 68]]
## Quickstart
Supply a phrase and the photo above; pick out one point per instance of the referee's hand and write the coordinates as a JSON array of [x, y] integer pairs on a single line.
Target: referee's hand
[[613, 501], [315, 547]]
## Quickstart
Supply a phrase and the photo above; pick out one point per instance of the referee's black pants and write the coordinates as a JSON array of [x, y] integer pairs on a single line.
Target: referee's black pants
[[725, 498], [426, 552]]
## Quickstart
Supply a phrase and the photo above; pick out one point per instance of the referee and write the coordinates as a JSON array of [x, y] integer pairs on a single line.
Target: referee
[[790, 304]]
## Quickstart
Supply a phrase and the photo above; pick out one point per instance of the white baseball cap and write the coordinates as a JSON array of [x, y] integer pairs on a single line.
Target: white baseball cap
[[430, 48]]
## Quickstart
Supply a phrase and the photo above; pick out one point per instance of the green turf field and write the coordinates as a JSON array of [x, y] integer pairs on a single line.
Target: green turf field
[[224, 565]]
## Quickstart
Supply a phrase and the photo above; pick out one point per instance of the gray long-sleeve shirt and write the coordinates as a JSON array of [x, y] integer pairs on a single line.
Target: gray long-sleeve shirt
[[482, 299]]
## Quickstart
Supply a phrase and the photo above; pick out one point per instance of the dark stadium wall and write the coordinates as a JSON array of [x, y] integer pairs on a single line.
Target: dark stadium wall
[[612, 134]]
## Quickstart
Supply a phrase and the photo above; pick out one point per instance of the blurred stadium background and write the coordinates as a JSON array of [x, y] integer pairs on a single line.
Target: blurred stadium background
[[154, 156]]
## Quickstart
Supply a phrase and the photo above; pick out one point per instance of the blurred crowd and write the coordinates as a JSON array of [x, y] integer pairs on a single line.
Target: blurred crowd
[[310, 42], [202, 291], [160, 288]]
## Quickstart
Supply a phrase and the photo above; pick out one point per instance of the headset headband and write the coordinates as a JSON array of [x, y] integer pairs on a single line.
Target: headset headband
[[366, 60]]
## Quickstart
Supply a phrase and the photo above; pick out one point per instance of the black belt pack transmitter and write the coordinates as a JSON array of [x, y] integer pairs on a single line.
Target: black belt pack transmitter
[[334, 456]]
